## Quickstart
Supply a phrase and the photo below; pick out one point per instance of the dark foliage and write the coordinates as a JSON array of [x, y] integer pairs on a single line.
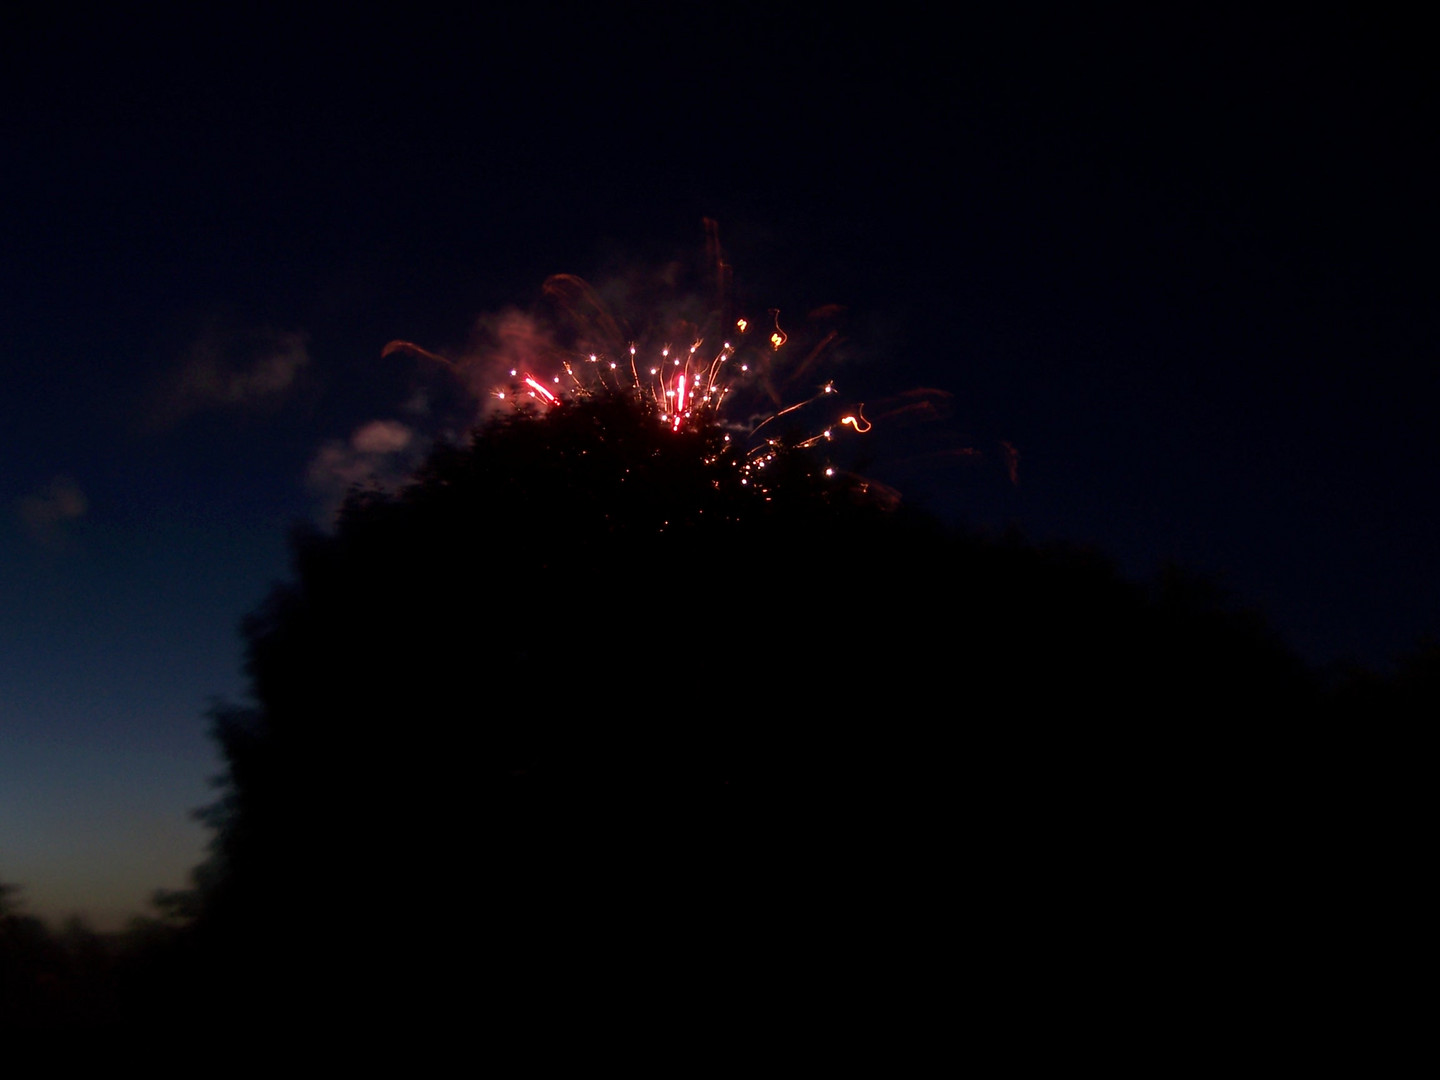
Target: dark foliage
[[55, 982], [580, 726]]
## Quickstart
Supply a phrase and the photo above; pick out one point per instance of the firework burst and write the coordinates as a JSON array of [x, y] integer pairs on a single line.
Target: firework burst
[[744, 378]]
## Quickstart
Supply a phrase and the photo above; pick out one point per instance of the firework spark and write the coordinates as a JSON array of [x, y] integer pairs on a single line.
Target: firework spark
[[693, 364], [734, 385], [692, 371]]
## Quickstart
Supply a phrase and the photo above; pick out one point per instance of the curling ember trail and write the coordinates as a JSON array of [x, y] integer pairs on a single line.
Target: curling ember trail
[[779, 337]]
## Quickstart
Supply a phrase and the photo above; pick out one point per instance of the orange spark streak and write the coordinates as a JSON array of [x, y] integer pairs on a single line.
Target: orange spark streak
[[720, 358], [828, 388], [411, 347]]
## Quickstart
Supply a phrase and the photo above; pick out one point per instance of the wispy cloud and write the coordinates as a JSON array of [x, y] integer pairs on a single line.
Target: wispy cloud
[[381, 454], [46, 513], [228, 369]]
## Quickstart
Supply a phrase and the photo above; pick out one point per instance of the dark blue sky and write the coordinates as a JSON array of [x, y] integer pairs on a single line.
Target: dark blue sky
[[1184, 266]]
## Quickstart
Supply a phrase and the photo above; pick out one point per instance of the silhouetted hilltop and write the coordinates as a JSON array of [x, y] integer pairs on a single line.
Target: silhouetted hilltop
[[592, 693], [602, 720]]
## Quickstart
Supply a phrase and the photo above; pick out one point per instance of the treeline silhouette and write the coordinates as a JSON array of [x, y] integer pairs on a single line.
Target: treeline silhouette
[[73, 978], [592, 728]]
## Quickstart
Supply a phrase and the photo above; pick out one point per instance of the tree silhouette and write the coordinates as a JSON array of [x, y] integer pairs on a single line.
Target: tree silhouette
[[591, 698]]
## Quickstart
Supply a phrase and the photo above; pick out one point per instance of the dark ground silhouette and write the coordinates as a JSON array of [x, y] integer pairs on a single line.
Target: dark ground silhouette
[[580, 734]]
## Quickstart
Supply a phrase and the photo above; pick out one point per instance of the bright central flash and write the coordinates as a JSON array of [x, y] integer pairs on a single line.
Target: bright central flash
[[531, 382], [679, 402]]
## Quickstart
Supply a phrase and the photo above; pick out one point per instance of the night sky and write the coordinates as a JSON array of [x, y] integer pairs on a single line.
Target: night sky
[[1184, 267]]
